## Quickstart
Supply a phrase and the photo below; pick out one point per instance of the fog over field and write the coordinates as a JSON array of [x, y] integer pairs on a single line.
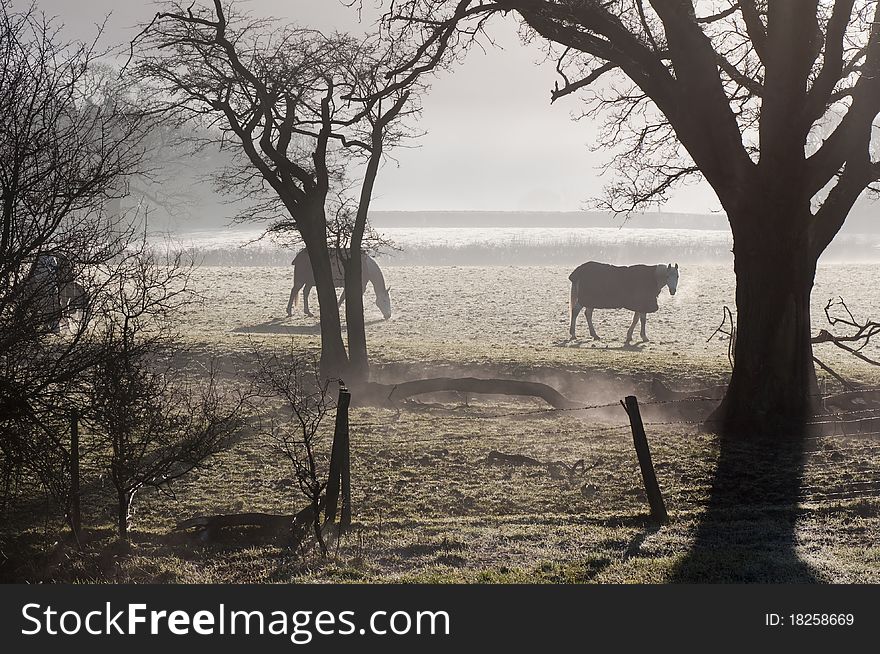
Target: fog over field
[[511, 239]]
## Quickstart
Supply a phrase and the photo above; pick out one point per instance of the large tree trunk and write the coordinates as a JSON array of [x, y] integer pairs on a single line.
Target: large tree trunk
[[774, 380]]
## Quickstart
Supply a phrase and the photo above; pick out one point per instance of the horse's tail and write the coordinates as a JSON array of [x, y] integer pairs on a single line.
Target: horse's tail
[[574, 306]]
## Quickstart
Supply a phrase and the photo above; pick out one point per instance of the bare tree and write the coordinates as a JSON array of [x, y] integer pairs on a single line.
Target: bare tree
[[149, 422], [772, 103], [303, 108], [258, 86], [70, 137], [381, 103], [294, 379]]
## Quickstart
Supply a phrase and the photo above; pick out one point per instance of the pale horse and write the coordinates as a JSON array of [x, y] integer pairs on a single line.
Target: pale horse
[[304, 278], [603, 286]]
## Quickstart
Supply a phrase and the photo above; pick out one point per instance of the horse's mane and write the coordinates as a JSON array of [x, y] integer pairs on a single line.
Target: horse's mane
[[660, 276], [375, 274]]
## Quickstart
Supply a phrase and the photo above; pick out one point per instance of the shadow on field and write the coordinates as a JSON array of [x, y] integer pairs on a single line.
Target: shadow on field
[[598, 344], [278, 326], [747, 532], [281, 326]]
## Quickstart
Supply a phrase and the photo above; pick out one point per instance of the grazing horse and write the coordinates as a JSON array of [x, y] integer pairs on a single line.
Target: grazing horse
[[304, 278], [603, 286]]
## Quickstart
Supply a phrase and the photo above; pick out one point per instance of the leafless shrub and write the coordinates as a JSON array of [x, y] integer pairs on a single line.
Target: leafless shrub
[[71, 136], [298, 433], [151, 425]]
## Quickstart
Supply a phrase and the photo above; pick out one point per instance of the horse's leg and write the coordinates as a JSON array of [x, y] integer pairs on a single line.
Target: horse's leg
[[629, 334], [57, 312], [644, 317], [66, 306], [593, 333], [575, 310], [307, 289], [293, 293]]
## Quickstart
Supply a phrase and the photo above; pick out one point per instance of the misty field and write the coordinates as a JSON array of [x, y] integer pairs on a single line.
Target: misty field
[[510, 315], [493, 488]]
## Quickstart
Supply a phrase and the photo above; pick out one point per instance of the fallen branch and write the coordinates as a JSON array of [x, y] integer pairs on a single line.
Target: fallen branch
[[854, 400], [500, 458], [271, 525], [557, 469], [268, 521], [392, 393], [852, 343]]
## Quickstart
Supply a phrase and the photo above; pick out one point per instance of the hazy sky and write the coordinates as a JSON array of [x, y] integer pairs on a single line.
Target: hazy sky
[[494, 142]]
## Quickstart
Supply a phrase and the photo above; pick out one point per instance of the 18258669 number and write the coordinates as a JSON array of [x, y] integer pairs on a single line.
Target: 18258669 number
[[821, 619]]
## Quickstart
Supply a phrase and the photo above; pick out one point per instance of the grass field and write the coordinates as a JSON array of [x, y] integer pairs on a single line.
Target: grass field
[[435, 501]]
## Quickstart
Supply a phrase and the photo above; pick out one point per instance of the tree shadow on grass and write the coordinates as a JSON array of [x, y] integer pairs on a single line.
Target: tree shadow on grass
[[747, 532], [282, 326], [278, 326], [598, 344]]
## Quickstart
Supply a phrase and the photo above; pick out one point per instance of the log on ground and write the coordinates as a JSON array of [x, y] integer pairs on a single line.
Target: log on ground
[[393, 393]]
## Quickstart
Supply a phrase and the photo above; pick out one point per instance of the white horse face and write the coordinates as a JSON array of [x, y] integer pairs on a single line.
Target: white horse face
[[383, 301], [672, 278]]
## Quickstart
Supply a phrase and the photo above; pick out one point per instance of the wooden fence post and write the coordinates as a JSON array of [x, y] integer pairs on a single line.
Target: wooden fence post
[[340, 476], [345, 517], [640, 440], [75, 515]]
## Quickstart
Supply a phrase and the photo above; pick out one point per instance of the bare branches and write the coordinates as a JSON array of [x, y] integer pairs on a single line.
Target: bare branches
[[72, 136], [754, 22], [734, 7], [819, 96], [659, 45], [849, 142], [571, 87], [297, 434], [294, 99], [861, 331], [152, 425], [727, 329]]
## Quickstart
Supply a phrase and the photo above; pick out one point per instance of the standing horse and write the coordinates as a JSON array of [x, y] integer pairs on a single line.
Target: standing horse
[[603, 286], [304, 278], [52, 293]]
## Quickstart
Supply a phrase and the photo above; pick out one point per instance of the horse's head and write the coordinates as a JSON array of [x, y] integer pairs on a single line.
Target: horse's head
[[383, 301], [672, 278]]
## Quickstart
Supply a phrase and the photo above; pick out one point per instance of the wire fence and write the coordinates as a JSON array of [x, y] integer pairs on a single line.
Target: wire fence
[[838, 460]]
